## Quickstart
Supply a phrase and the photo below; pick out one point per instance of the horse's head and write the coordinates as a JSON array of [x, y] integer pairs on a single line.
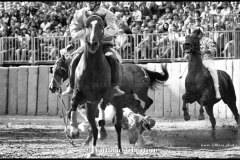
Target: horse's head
[[192, 44], [60, 73], [95, 25]]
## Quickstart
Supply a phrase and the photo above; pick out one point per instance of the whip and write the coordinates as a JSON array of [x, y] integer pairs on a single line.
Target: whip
[[183, 72]]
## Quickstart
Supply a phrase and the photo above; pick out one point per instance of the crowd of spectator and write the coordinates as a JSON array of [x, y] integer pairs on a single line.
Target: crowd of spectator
[[44, 20]]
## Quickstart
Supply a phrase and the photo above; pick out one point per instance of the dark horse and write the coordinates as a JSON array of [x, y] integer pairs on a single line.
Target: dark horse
[[199, 84], [137, 81], [93, 81]]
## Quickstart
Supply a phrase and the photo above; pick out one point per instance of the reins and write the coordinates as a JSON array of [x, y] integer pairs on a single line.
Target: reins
[[59, 95]]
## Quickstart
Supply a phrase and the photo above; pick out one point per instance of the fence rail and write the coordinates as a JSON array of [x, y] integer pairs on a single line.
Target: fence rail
[[24, 91], [135, 48]]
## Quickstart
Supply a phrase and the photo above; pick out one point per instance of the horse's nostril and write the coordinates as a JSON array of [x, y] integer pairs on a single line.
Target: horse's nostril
[[94, 44]]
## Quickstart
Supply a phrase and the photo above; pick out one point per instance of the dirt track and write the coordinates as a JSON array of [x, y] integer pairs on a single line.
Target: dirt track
[[43, 137]]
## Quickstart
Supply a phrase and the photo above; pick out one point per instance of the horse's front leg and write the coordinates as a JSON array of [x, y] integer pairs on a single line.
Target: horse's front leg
[[101, 122], [118, 125], [72, 114], [90, 111], [185, 109]]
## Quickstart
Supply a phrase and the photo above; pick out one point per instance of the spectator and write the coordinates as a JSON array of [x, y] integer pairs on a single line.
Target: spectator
[[226, 9], [218, 38], [155, 18], [198, 24], [1, 25], [57, 43], [7, 47], [180, 26], [21, 52], [127, 17], [6, 28], [163, 28], [34, 46], [175, 19], [6, 18], [154, 8], [145, 45], [168, 14], [145, 10], [232, 46], [120, 42], [25, 23], [136, 14]]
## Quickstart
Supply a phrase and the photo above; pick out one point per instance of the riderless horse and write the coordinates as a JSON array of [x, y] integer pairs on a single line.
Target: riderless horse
[[199, 84]]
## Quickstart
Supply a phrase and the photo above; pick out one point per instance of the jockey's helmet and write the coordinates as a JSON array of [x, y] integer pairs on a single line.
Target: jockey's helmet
[[93, 4]]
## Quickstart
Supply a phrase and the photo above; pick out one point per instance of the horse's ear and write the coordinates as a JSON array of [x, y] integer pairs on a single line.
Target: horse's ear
[[87, 14], [103, 16], [51, 69], [63, 57]]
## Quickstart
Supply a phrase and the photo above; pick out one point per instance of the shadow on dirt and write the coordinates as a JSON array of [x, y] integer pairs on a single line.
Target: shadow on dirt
[[33, 135]]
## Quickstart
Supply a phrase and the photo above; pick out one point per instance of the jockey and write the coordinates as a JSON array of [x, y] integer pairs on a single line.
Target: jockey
[[78, 31], [208, 50]]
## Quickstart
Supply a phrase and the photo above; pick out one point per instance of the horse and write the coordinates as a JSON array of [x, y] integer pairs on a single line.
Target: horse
[[93, 83], [199, 84], [137, 81], [130, 99]]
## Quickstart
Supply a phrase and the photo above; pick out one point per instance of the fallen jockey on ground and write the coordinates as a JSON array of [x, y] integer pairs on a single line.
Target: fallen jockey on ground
[[133, 122]]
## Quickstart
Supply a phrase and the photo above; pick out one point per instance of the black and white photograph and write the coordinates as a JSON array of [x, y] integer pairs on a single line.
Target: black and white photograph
[[120, 79]]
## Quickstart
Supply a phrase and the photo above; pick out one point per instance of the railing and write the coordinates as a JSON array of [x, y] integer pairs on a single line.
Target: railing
[[138, 48]]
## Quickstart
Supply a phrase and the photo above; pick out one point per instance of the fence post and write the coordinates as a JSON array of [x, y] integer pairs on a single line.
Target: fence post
[[236, 43], [33, 53], [134, 49], [1, 51]]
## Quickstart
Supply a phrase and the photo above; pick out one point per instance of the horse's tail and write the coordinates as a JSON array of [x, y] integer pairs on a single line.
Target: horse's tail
[[156, 77]]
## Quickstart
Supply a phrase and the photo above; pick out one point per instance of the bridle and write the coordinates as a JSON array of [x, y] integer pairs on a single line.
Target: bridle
[[59, 95], [102, 24]]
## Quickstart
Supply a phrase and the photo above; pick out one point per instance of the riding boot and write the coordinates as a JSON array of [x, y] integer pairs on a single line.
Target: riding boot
[[72, 68], [115, 76], [214, 75]]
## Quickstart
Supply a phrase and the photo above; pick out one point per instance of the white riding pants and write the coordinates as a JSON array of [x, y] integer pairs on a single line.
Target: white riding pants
[[209, 64]]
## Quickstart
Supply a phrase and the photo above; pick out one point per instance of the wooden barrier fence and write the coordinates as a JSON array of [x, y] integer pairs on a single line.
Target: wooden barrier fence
[[24, 91]]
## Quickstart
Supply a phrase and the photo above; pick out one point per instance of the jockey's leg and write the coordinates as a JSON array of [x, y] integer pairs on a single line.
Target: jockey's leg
[[114, 63], [211, 68], [73, 66]]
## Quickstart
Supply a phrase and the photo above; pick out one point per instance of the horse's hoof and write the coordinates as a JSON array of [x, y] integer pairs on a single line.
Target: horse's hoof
[[213, 135], [119, 154], [74, 135], [103, 134], [91, 155], [201, 117], [186, 117]]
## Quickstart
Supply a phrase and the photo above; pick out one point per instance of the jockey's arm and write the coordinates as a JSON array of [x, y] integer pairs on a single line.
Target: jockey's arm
[[77, 28], [112, 28]]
